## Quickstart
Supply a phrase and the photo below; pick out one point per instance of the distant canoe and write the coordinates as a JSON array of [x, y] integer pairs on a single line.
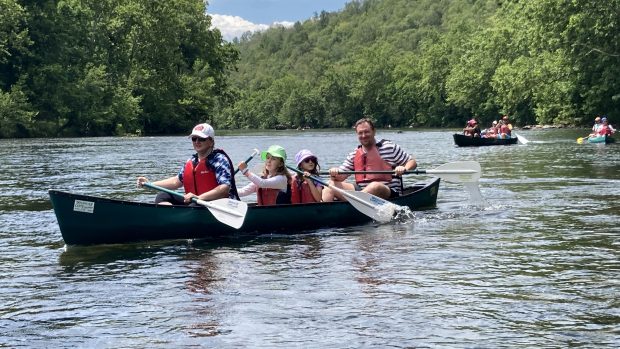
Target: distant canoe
[[467, 141], [601, 139]]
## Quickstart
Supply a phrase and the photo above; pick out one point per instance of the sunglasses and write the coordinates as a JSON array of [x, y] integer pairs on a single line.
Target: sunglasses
[[310, 160], [198, 139]]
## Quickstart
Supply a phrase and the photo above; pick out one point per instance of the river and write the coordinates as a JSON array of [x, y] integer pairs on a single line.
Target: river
[[536, 266]]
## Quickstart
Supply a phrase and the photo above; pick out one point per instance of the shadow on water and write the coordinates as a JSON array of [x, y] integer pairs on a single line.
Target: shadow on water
[[74, 258]]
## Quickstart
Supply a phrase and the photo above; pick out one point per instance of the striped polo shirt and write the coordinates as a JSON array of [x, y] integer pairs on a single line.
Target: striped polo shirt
[[389, 151]]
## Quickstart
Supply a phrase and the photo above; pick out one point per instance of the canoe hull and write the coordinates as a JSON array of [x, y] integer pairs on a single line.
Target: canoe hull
[[467, 141], [86, 220], [601, 139]]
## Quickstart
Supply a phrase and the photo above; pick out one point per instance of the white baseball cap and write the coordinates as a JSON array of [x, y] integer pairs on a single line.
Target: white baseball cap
[[203, 131]]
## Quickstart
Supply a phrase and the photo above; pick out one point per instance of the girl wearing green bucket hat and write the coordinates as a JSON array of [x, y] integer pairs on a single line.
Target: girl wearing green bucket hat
[[273, 186]]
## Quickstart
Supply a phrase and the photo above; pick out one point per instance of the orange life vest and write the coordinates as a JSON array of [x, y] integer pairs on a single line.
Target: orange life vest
[[270, 196], [604, 130], [300, 192], [199, 179], [371, 161], [505, 129]]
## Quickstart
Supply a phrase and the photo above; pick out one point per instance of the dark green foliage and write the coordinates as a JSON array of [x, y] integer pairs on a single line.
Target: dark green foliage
[[109, 67], [112, 67], [434, 63]]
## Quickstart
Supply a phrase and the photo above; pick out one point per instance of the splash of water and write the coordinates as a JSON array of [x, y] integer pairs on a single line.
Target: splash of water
[[385, 212], [403, 214], [391, 212]]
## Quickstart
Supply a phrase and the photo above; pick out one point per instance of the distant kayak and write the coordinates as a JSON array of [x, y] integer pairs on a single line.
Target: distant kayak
[[598, 139], [468, 141]]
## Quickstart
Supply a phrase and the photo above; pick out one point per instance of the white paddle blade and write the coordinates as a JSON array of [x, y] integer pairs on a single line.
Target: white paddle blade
[[474, 192], [228, 211], [373, 206], [521, 139], [458, 171]]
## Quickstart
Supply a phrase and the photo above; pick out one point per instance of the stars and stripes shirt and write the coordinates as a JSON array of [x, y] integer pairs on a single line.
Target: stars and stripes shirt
[[389, 151]]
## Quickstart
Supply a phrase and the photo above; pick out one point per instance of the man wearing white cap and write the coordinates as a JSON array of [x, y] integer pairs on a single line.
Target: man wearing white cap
[[207, 175]]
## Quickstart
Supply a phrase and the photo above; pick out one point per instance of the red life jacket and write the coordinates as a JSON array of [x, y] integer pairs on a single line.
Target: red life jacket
[[505, 129], [300, 192], [199, 179], [604, 130], [371, 161], [269, 196]]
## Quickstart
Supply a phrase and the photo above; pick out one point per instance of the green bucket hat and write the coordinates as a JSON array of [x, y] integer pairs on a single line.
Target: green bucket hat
[[274, 150]]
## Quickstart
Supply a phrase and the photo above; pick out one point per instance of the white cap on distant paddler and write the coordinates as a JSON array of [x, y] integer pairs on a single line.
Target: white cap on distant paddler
[[203, 131]]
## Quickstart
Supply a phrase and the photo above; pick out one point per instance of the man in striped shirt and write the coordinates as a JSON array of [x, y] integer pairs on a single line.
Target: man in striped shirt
[[371, 155]]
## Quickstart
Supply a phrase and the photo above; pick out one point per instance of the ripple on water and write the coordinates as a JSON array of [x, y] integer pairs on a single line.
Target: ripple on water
[[536, 266]]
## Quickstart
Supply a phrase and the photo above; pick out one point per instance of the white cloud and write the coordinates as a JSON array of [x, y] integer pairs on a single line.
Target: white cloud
[[235, 26]]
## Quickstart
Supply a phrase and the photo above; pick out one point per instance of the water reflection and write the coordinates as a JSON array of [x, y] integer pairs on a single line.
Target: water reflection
[[77, 258]]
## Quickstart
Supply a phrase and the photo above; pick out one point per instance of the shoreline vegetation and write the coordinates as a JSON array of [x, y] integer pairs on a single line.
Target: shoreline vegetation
[[228, 132], [141, 67], [235, 132]]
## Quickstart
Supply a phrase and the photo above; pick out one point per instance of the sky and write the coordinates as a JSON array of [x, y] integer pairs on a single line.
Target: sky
[[235, 17]]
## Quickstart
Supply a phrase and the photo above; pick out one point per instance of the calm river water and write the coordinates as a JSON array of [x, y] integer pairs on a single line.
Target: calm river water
[[537, 266]]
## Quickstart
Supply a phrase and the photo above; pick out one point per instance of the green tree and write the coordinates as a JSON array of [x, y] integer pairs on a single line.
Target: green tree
[[16, 112]]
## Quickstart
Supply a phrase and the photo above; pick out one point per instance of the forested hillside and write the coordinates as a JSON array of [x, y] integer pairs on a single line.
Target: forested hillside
[[433, 63], [112, 67], [108, 67]]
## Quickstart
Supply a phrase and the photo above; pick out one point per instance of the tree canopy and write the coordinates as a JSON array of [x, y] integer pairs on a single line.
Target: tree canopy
[[432, 63], [112, 67], [108, 67]]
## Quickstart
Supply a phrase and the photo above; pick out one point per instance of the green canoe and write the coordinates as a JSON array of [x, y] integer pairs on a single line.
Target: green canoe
[[600, 139], [86, 220]]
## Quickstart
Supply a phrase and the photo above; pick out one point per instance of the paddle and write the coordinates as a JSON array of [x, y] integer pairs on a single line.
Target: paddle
[[373, 206], [580, 140], [254, 153], [228, 211], [458, 172], [521, 139]]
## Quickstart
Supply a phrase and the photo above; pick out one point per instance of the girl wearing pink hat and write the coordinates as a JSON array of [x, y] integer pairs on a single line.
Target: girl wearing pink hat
[[304, 189]]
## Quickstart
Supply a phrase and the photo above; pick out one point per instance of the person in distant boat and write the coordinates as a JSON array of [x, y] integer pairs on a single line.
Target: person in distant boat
[[206, 175], [597, 124], [506, 121], [596, 127], [472, 129], [273, 186], [371, 155], [505, 128], [606, 129], [490, 132], [304, 189]]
